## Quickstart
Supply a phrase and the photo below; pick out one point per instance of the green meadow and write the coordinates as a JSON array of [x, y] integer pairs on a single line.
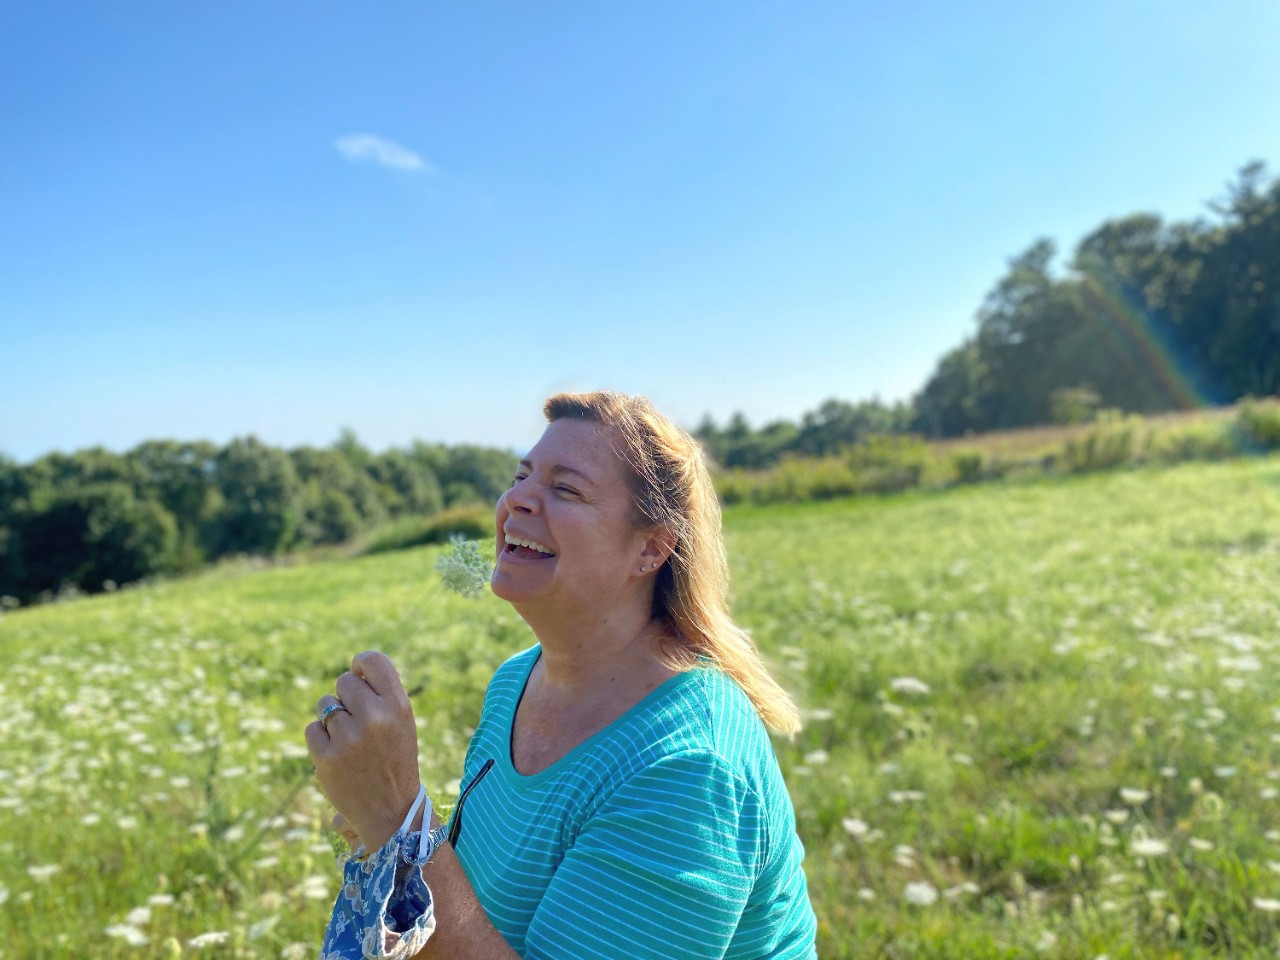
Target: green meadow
[[1042, 719]]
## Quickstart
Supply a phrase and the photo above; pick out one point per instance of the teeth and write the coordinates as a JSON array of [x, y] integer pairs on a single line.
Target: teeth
[[531, 544]]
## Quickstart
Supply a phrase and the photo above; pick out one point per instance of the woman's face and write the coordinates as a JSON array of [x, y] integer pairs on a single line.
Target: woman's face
[[571, 499]]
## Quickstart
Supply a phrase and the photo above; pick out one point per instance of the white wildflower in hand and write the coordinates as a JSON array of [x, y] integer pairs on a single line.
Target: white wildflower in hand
[[465, 569]]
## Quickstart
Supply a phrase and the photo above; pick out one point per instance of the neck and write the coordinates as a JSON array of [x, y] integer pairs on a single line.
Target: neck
[[588, 648]]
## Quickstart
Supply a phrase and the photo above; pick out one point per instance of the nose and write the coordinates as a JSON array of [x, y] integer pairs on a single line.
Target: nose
[[521, 498]]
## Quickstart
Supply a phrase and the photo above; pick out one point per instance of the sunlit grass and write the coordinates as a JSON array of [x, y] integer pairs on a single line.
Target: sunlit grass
[[1043, 720]]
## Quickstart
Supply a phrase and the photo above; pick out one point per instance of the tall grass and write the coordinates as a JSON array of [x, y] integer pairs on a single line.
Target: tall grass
[[1041, 721], [1113, 440]]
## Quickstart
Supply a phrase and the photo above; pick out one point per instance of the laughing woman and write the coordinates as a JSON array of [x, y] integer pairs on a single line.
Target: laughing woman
[[621, 795]]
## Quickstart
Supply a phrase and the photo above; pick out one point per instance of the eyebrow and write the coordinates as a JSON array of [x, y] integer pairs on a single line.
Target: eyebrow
[[560, 468]]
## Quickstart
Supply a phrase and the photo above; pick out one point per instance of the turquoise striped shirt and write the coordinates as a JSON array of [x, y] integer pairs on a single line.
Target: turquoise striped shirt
[[669, 834]]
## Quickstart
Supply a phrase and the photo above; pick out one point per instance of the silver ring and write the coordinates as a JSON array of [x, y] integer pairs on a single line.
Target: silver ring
[[324, 715]]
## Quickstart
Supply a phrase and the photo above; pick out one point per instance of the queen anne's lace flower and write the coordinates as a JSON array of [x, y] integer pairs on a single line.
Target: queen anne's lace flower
[[920, 893], [465, 569]]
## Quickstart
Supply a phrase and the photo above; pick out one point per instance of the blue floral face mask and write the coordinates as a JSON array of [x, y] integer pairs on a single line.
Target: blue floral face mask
[[383, 911]]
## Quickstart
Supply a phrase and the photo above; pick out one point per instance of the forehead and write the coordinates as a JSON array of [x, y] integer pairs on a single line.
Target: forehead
[[582, 445]]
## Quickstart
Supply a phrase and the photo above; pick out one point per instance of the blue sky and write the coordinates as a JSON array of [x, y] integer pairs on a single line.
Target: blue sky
[[420, 219]]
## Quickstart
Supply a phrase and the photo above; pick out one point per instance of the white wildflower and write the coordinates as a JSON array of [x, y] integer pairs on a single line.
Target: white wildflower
[[1266, 904], [314, 887], [138, 916], [465, 569], [920, 893], [854, 827], [905, 796], [42, 872], [909, 685], [1134, 797], [1148, 847], [211, 939], [128, 933], [261, 928]]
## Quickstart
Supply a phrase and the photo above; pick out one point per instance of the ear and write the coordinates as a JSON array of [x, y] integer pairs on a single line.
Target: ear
[[656, 547]]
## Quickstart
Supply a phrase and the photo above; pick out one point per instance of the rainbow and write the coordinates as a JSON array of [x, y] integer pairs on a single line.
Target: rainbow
[[1151, 351]]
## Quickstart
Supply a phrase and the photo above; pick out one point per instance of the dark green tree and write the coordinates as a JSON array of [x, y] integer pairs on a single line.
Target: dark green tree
[[181, 476], [91, 534], [261, 496], [406, 485]]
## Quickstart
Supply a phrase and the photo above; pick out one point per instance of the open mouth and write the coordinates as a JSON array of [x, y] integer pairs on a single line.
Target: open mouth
[[527, 549]]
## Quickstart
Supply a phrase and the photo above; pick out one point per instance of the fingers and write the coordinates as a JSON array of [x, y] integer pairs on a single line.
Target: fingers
[[345, 830], [356, 695], [363, 692], [378, 672], [324, 703], [317, 741]]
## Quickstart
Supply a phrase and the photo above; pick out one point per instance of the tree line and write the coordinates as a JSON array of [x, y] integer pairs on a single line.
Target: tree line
[[1146, 317], [95, 518]]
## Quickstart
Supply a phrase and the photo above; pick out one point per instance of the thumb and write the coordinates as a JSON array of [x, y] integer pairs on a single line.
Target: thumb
[[377, 670]]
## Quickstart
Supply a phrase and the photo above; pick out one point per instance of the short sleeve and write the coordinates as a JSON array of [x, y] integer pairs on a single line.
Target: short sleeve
[[663, 868]]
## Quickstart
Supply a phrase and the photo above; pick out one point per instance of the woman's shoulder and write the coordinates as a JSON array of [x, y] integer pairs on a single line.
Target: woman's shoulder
[[515, 669], [707, 712], [507, 683]]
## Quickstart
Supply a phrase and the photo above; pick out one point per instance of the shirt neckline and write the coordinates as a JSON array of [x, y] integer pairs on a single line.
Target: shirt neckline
[[508, 764]]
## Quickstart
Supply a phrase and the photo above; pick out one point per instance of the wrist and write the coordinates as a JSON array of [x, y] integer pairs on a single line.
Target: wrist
[[409, 818]]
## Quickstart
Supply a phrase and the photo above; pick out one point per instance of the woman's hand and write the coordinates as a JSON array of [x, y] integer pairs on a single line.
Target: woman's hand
[[343, 829], [366, 754]]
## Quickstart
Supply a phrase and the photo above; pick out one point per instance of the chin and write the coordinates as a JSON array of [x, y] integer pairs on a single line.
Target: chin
[[503, 587]]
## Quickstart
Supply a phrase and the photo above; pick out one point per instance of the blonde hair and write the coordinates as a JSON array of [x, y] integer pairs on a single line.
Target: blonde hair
[[672, 488]]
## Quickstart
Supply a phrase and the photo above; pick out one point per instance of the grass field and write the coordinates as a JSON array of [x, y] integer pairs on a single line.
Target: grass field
[[1043, 720]]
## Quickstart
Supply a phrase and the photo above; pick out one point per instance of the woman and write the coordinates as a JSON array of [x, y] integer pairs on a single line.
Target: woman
[[621, 795]]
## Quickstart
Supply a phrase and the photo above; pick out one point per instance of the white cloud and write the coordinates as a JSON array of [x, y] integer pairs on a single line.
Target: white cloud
[[365, 146]]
